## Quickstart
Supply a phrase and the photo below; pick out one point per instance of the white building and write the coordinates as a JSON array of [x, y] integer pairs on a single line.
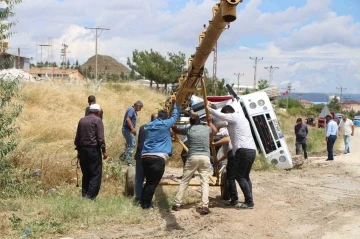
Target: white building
[[240, 89]]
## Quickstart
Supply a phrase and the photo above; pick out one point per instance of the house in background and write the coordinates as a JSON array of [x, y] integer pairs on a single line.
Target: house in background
[[350, 105], [56, 74], [13, 61], [306, 104]]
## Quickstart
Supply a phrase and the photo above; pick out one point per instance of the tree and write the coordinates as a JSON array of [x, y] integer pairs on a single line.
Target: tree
[[156, 67], [334, 104], [132, 74], [68, 64], [9, 110], [263, 84], [77, 66], [122, 76]]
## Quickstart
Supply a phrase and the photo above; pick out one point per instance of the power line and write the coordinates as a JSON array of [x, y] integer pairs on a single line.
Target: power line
[[255, 68], [238, 77], [97, 34], [271, 70], [63, 54]]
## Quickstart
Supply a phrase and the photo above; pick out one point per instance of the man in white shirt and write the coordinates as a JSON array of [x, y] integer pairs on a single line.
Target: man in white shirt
[[348, 131], [331, 136], [244, 149]]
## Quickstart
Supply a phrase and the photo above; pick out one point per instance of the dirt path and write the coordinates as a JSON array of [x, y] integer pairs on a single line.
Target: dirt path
[[321, 200]]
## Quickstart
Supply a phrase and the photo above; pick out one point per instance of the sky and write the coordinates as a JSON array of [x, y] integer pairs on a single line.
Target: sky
[[315, 44]]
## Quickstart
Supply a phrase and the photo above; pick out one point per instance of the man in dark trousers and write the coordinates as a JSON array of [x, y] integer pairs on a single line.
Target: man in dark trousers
[[90, 142], [301, 132], [157, 148], [331, 136], [92, 100], [139, 171], [244, 149], [129, 131]]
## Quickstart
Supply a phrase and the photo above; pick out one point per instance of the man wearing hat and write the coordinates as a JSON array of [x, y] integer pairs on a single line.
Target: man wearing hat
[[90, 143], [331, 135]]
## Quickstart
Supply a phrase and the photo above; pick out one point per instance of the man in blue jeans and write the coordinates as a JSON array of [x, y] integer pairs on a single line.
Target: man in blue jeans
[[129, 131], [157, 148], [139, 171], [331, 136]]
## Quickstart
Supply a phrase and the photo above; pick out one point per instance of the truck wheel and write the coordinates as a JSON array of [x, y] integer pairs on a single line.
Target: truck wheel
[[225, 194], [130, 181]]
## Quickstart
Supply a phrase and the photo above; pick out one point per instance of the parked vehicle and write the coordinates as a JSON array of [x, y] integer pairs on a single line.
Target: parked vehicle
[[357, 120], [311, 120]]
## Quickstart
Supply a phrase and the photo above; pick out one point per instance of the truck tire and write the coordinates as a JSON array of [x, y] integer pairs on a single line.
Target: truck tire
[[130, 182], [225, 194]]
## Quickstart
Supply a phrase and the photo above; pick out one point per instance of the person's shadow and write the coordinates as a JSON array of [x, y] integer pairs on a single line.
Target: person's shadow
[[165, 207]]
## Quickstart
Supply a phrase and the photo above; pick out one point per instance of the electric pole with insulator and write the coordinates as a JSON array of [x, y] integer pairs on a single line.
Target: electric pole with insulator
[[238, 80], [288, 92], [271, 70], [97, 34], [256, 59]]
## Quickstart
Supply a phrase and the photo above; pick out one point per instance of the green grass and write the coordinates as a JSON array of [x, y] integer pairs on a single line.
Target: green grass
[[56, 215]]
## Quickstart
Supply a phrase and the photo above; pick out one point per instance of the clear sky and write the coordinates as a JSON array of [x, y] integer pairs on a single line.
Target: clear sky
[[315, 43]]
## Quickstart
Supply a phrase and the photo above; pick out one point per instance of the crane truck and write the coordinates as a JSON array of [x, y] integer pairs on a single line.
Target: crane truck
[[256, 106]]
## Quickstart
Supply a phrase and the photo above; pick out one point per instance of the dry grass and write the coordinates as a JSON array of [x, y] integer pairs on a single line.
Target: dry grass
[[50, 117]]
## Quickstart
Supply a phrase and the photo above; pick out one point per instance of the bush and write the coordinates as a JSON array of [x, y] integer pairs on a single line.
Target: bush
[[9, 111]]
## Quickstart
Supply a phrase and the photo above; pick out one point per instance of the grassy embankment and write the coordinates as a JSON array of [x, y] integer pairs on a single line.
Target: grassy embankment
[[47, 129]]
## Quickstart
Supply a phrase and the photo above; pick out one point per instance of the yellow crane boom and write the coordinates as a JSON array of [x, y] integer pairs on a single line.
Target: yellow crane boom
[[224, 12]]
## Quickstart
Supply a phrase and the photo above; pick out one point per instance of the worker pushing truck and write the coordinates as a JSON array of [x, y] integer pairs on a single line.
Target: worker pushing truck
[[256, 107]]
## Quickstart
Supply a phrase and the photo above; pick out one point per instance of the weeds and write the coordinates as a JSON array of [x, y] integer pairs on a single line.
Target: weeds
[[261, 164]]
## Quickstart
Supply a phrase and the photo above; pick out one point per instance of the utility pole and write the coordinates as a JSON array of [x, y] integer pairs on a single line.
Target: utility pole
[[97, 34], [238, 77], [341, 93], [255, 67], [288, 92], [271, 70], [214, 69], [300, 95], [63, 55]]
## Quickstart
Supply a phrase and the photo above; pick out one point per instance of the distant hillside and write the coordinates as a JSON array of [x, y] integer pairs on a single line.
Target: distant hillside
[[322, 97], [106, 64]]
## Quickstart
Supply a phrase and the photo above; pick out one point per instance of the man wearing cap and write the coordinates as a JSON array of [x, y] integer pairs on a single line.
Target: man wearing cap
[[157, 148], [92, 100], [90, 143], [129, 131], [301, 132], [331, 136], [244, 149]]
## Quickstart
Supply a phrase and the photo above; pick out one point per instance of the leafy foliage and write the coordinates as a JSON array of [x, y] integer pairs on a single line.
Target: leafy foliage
[[292, 103], [263, 84], [334, 104], [9, 111], [156, 67]]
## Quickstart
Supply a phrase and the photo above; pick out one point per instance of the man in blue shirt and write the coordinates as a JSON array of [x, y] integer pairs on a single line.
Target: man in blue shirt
[[331, 135], [139, 171], [129, 131], [157, 148]]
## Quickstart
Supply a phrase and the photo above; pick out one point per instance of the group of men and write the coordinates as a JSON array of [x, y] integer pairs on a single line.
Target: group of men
[[332, 132], [154, 146]]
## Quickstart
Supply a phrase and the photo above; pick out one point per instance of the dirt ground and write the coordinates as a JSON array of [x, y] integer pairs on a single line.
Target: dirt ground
[[320, 200]]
